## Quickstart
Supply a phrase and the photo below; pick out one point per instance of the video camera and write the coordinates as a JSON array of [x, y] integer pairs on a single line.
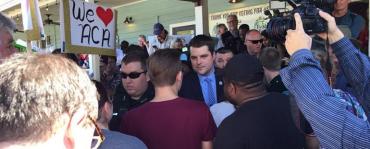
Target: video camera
[[308, 9]]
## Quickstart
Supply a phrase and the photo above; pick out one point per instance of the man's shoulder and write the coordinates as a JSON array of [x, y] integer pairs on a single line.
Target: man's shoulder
[[190, 79], [191, 75], [234, 123], [191, 103], [116, 139]]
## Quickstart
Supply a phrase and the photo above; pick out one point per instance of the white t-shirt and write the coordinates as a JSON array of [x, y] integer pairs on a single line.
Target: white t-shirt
[[221, 110], [166, 44]]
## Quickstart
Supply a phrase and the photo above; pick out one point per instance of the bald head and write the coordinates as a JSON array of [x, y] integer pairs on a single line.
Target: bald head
[[253, 42]]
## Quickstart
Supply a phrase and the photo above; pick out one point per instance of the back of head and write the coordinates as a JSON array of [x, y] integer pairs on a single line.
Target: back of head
[[271, 59], [137, 48], [163, 66], [202, 40], [36, 91], [124, 45], [244, 70]]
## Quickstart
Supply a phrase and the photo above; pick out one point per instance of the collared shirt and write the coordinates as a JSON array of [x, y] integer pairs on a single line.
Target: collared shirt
[[155, 43], [203, 84], [334, 125]]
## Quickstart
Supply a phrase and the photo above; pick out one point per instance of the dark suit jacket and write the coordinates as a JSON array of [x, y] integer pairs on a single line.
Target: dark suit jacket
[[192, 89]]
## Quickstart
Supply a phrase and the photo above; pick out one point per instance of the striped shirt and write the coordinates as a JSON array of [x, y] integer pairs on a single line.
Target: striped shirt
[[334, 125]]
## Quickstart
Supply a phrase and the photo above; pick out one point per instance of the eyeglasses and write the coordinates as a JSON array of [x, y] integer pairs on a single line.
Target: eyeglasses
[[256, 41], [132, 75], [98, 137]]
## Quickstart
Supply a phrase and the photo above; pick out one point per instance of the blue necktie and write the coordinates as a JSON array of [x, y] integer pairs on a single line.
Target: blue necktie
[[211, 95]]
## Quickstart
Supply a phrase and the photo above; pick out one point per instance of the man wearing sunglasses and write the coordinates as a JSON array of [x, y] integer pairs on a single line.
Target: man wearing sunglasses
[[253, 41], [46, 101], [135, 89], [7, 42]]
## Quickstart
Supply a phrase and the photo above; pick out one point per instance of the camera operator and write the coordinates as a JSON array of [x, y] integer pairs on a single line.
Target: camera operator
[[329, 116]]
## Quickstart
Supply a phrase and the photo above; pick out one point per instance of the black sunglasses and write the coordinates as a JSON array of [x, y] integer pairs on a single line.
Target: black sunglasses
[[132, 75], [256, 41]]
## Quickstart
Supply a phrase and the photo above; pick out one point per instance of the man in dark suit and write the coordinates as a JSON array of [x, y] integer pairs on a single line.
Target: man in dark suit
[[203, 84]]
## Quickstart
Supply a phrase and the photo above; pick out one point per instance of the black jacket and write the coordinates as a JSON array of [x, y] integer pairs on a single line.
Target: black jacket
[[235, 44], [122, 102]]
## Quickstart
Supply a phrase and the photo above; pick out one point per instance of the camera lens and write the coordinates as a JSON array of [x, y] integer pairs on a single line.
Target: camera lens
[[277, 27]]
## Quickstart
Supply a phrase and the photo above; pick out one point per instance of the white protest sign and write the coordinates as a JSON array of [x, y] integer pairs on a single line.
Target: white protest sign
[[87, 28]]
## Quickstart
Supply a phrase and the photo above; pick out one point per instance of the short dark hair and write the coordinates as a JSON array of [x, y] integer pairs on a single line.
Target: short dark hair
[[244, 26], [124, 43], [221, 25], [137, 48], [104, 58], [202, 40], [271, 58], [135, 56], [244, 71], [223, 50], [163, 66]]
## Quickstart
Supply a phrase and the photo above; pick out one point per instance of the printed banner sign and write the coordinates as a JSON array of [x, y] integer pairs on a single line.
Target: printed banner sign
[[253, 16], [87, 28]]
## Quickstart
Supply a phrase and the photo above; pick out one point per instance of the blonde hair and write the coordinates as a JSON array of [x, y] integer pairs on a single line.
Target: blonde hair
[[36, 90]]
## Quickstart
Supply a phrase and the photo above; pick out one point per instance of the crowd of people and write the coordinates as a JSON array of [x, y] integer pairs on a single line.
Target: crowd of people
[[238, 90]]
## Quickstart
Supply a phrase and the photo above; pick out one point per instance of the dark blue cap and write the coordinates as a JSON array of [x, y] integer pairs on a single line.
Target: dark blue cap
[[157, 28]]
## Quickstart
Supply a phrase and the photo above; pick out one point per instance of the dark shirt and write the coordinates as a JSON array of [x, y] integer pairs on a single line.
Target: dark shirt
[[276, 85], [235, 44], [122, 102], [263, 123], [174, 124], [354, 22]]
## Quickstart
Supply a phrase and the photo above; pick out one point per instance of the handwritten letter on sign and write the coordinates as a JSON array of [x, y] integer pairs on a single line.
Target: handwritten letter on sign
[[87, 28]]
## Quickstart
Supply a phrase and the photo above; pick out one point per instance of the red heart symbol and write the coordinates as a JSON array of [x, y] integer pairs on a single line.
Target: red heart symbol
[[105, 15]]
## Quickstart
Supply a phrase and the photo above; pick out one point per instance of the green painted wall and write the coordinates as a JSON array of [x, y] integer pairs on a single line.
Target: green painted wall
[[169, 12], [145, 15]]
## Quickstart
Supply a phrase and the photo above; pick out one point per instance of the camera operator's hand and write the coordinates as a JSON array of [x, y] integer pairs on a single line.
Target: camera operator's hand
[[333, 34], [297, 39]]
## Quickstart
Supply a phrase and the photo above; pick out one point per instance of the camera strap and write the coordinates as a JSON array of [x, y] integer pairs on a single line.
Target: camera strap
[[329, 66]]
